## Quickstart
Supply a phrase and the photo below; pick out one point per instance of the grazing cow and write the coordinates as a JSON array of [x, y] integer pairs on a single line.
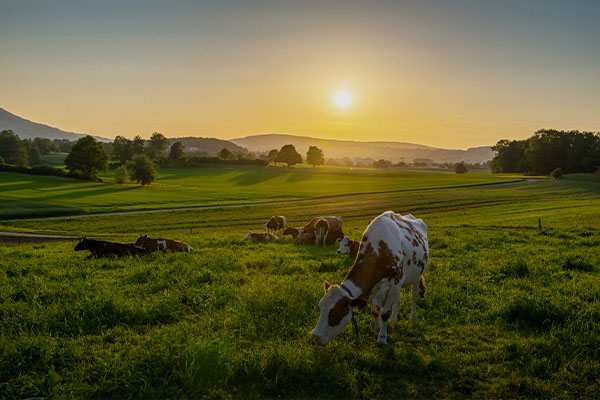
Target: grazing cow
[[393, 253], [275, 223], [150, 244], [290, 231], [261, 237], [102, 248], [335, 224], [321, 230], [348, 246]]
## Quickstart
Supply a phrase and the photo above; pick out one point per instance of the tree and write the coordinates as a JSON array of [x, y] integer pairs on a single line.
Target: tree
[[226, 154], [460, 168], [142, 170], [63, 145], [12, 149], [315, 156], [176, 153], [44, 145], [157, 145], [382, 163], [272, 156], [122, 150], [138, 145], [121, 174], [289, 155], [88, 157], [35, 157]]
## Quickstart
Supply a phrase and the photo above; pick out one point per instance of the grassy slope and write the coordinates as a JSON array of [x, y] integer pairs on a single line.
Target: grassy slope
[[209, 186], [509, 311]]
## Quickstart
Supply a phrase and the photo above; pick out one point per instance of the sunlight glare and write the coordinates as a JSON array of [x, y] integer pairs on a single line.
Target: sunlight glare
[[343, 98]]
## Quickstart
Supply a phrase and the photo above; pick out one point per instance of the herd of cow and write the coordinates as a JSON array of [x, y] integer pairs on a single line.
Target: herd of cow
[[393, 253]]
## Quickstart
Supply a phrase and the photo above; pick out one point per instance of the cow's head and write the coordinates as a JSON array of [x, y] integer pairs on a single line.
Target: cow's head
[[267, 225], [248, 236], [139, 242], [344, 247], [335, 313], [290, 231], [300, 232], [82, 245]]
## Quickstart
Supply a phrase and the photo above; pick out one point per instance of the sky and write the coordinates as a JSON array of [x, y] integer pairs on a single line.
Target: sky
[[452, 74]]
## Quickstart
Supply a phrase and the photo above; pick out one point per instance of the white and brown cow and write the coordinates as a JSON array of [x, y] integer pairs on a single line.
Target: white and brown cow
[[151, 244], [393, 253], [261, 237], [335, 224], [348, 246], [275, 223]]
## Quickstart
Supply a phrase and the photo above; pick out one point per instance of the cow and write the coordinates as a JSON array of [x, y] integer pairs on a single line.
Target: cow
[[305, 238], [393, 253], [275, 223], [261, 237], [321, 230], [151, 244], [102, 248], [335, 224], [290, 231], [348, 246]]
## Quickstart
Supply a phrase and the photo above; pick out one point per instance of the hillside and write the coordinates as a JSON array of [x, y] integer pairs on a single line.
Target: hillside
[[209, 145], [394, 151], [26, 129]]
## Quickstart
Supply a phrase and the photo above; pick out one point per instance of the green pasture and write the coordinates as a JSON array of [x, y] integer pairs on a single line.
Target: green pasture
[[510, 312], [30, 196], [54, 159]]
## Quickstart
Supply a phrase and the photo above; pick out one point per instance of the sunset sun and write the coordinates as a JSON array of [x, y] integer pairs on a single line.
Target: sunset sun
[[343, 99]]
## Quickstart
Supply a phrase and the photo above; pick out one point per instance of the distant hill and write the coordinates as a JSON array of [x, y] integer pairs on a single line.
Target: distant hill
[[26, 129], [393, 151], [208, 145]]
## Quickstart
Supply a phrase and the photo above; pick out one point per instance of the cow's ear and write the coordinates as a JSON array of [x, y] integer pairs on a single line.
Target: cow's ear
[[326, 286], [360, 303], [338, 240]]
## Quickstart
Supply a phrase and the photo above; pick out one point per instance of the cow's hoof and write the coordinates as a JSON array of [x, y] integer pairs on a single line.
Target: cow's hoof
[[382, 341]]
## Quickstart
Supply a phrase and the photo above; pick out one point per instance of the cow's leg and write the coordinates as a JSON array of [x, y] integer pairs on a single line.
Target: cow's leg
[[395, 313], [386, 312], [376, 311], [414, 292]]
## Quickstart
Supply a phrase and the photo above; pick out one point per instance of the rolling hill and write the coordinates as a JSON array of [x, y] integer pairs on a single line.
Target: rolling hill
[[26, 129], [211, 146], [394, 151]]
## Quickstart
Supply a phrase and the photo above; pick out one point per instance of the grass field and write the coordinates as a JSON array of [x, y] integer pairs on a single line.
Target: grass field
[[31, 196], [510, 311]]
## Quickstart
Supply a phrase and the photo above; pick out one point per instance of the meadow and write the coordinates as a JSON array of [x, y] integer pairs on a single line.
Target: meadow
[[36, 196], [511, 311]]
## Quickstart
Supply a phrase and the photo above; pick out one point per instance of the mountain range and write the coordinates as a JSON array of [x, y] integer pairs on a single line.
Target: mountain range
[[393, 151]]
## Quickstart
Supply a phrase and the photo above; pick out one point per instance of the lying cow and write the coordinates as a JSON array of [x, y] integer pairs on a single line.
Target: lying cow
[[102, 248], [290, 231], [261, 237], [305, 238], [348, 246], [150, 244], [275, 223], [393, 253]]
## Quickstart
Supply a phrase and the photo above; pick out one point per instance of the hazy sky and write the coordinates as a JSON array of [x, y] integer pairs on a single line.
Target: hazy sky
[[452, 74]]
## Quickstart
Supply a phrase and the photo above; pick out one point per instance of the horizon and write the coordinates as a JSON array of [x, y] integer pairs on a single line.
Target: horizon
[[454, 76]]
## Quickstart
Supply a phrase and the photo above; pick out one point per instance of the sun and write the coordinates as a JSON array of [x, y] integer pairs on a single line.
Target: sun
[[343, 99]]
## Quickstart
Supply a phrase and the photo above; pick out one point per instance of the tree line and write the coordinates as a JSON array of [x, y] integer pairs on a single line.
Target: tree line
[[548, 150]]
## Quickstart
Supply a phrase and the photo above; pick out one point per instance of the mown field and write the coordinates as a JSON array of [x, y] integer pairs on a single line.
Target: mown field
[[36, 196], [511, 311]]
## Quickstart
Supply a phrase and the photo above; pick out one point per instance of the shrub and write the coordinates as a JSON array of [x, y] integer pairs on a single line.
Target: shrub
[[460, 168], [121, 174], [142, 170], [556, 173]]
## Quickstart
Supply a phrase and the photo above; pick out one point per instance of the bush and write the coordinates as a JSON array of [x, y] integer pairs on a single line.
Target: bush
[[143, 170], [460, 168], [556, 173], [121, 174]]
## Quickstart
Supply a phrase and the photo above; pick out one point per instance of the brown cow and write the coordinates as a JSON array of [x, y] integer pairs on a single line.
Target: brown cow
[[151, 244], [321, 230], [291, 231], [275, 223]]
